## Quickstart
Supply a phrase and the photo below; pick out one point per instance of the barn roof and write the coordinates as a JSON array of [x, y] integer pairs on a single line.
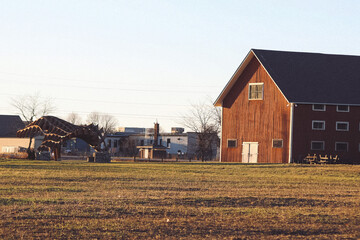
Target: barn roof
[[9, 124], [308, 77]]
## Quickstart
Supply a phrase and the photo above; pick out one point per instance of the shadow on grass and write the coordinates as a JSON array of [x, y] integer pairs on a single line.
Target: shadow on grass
[[242, 202]]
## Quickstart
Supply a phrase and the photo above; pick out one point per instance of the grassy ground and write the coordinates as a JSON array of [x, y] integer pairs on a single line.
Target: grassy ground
[[76, 199]]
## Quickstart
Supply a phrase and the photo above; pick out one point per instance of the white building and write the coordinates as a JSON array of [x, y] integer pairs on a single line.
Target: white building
[[177, 143]]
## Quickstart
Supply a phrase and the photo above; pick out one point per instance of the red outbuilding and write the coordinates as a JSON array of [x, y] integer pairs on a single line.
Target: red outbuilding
[[279, 106]]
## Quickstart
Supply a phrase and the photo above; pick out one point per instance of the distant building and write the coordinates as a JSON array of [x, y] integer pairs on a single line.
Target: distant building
[[131, 130], [155, 149], [176, 143], [177, 130], [75, 145], [9, 143]]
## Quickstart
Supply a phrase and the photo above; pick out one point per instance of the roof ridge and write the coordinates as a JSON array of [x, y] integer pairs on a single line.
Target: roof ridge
[[306, 52]]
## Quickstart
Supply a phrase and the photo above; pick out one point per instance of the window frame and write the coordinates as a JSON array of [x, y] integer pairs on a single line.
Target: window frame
[[229, 140], [262, 92], [323, 145], [282, 143], [342, 130], [337, 108], [347, 146], [319, 110], [320, 129]]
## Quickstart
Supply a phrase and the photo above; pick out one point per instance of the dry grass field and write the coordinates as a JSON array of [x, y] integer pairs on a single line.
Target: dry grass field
[[80, 200]]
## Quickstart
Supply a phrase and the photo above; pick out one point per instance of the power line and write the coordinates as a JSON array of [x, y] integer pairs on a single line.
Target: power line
[[117, 114], [124, 114], [105, 82], [110, 88], [114, 102]]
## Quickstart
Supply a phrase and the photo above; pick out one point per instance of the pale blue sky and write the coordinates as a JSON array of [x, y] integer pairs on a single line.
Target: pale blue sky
[[147, 60]]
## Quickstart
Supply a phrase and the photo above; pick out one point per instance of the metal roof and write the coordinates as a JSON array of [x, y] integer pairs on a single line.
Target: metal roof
[[308, 77], [9, 124]]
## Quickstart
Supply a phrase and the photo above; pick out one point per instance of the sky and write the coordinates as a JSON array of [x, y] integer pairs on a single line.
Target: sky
[[151, 60]]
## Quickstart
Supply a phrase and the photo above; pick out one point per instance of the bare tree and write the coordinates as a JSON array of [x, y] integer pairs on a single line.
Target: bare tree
[[108, 123], [94, 118], [74, 118], [205, 121], [105, 121], [31, 107]]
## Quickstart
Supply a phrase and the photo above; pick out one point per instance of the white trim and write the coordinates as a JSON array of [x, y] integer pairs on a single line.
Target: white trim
[[234, 77], [309, 103], [237, 74], [337, 108], [347, 146], [270, 77], [240, 70], [343, 130], [262, 92], [221, 132], [323, 147], [291, 131], [319, 110], [312, 125]]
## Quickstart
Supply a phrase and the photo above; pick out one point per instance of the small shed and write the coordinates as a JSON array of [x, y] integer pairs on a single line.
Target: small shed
[[155, 150]]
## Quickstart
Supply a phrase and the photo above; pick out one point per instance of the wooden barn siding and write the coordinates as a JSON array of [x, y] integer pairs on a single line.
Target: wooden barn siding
[[303, 133], [255, 120]]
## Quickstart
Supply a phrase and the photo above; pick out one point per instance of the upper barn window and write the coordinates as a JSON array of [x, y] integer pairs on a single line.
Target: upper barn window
[[319, 107], [256, 91], [342, 108]]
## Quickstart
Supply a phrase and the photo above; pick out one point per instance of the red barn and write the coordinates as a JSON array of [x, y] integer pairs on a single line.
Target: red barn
[[280, 106]]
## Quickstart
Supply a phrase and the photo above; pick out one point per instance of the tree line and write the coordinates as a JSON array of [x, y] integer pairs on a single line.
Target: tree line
[[202, 118]]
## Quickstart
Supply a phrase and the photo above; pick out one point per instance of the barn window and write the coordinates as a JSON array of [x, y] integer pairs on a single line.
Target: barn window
[[317, 145], [256, 91], [318, 125], [342, 108], [277, 143], [342, 126], [341, 146], [319, 107], [231, 143]]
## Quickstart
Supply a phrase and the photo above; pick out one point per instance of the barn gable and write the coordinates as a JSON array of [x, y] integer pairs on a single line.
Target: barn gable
[[254, 121], [307, 77]]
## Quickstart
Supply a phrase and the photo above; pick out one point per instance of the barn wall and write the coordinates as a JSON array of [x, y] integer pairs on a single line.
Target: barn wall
[[15, 142], [255, 120], [303, 133]]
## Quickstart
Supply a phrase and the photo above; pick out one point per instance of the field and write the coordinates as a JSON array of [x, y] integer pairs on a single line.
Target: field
[[80, 200]]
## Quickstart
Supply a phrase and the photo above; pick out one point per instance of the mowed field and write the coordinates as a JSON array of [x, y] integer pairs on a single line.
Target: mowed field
[[80, 200]]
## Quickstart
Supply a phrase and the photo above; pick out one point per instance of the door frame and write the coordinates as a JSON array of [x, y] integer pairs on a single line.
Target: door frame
[[243, 160]]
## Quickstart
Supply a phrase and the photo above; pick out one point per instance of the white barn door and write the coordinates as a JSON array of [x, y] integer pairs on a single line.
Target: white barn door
[[250, 152]]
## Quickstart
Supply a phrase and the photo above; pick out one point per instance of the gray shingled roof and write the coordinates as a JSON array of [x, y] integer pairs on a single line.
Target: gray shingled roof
[[314, 77], [9, 124]]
